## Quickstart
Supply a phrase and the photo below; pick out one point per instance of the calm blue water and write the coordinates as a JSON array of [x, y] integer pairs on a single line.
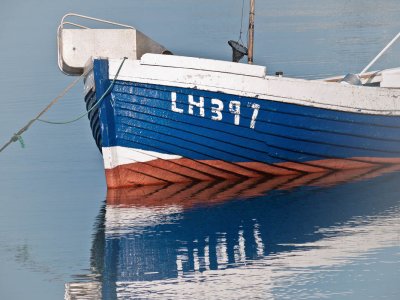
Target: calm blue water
[[313, 237]]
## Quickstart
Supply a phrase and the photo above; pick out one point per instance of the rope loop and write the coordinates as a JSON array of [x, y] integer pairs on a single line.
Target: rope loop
[[21, 141]]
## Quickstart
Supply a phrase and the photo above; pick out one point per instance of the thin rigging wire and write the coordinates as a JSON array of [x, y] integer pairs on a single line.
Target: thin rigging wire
[[241, 24]]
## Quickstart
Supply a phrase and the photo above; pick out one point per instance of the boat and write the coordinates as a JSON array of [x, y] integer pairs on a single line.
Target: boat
[[159, 118]]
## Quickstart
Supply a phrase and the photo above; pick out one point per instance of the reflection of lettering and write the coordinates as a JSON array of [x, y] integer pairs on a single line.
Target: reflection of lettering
[[258, 240], [222, 251], [225, 248], [217, 108]]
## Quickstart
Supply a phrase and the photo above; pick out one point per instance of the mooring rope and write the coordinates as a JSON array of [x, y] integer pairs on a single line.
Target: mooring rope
[[94, 105], [18, 136]]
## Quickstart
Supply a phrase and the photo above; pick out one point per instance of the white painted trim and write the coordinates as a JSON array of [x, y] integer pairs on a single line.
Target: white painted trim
[[328, 95], [196, 63], [117, 156]]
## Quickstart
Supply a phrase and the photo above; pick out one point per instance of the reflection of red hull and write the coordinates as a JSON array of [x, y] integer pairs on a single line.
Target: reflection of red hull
[[186, 170], [193, 194]]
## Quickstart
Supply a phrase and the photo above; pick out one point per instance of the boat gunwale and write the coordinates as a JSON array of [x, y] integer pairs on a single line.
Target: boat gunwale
[[312, 93]]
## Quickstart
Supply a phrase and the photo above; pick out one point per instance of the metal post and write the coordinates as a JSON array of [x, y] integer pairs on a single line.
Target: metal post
[[250, 43], [380, 54]]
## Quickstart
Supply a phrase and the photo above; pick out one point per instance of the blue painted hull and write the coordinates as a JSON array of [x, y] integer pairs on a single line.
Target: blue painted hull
[[170, 120]]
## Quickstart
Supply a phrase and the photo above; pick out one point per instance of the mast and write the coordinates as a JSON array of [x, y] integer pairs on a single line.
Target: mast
[[250, 42]]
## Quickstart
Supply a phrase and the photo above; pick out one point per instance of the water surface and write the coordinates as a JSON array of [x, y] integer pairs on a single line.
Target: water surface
[[300, 238]]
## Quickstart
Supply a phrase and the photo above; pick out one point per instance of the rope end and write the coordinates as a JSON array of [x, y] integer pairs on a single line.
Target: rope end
[[20, 139]]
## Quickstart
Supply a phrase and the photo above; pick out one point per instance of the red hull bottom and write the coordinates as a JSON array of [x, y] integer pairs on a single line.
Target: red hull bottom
[[192, 194], [159, 171]]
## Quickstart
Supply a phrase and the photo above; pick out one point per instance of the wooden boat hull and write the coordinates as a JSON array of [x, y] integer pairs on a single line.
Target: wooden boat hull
[[154, 131]]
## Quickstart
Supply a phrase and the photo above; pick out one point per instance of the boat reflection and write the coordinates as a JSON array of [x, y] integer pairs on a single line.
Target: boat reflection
[[245, 237]]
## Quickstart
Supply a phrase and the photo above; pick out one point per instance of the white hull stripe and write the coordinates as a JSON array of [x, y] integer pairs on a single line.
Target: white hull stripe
[[116, 156]]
